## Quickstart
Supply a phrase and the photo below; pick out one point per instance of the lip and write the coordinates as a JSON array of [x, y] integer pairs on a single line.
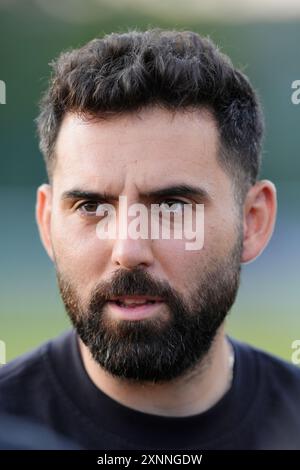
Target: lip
[[138, 312], [136, 297]]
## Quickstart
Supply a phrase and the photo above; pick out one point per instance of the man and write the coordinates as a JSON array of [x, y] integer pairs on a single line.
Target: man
[[156, 118]]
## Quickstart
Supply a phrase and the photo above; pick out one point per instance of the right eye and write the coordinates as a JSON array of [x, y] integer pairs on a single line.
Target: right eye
[[89, 208]]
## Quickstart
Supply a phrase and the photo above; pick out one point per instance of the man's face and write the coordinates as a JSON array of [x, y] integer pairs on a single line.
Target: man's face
[[189, 292]]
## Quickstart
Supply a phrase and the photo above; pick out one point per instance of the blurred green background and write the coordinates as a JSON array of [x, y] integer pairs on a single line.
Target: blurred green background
[[32, 33]]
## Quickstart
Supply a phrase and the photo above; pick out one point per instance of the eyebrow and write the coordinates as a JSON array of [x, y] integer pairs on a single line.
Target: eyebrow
[[173, 190], [91, 195], [178, 190]]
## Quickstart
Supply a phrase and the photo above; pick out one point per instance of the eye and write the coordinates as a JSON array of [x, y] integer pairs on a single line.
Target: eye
[[90, 208], [172, 205]]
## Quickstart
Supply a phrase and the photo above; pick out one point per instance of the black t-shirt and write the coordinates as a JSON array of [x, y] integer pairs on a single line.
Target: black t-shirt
[[18, 434], [50, 386]]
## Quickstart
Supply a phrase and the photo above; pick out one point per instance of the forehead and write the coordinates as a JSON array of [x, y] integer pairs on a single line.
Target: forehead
[[149, 148]]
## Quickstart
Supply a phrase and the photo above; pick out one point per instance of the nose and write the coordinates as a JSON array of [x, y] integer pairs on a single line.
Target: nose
[[129, 253]]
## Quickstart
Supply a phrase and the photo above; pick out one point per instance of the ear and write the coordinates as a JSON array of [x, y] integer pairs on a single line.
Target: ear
[[43, 216], [260, 209]]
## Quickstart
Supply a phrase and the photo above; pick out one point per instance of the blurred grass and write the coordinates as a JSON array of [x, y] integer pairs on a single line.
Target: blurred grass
[[266, 313], [262, 329]]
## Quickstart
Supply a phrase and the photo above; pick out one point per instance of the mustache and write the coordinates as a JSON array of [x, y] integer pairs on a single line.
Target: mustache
[[130, 283]]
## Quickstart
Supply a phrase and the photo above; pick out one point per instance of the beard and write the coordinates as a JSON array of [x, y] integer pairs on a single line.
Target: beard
[[161, 348]]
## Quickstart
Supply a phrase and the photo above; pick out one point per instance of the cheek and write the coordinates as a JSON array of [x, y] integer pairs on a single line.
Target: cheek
[[221, 228], [79, 254], [185, 268], [179, 266]]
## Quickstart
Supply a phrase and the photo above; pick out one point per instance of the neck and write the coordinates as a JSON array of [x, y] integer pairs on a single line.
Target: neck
[[184, 396]]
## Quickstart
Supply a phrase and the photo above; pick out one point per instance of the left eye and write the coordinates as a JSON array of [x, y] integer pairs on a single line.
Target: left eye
[[172, 205]]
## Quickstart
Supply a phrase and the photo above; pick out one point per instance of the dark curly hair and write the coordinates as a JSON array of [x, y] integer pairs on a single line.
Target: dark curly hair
[[123, 73]]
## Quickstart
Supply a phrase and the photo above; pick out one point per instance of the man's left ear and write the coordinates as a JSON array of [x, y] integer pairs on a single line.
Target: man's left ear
[[260, 209]]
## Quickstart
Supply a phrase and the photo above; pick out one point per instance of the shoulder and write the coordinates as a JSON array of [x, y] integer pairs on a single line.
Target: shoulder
[[277, 374], [271, 362], [268, 388], [26, 379], [21, 367]]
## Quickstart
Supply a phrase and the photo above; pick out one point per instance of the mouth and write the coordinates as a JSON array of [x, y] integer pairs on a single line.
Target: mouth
[[134, 307]]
